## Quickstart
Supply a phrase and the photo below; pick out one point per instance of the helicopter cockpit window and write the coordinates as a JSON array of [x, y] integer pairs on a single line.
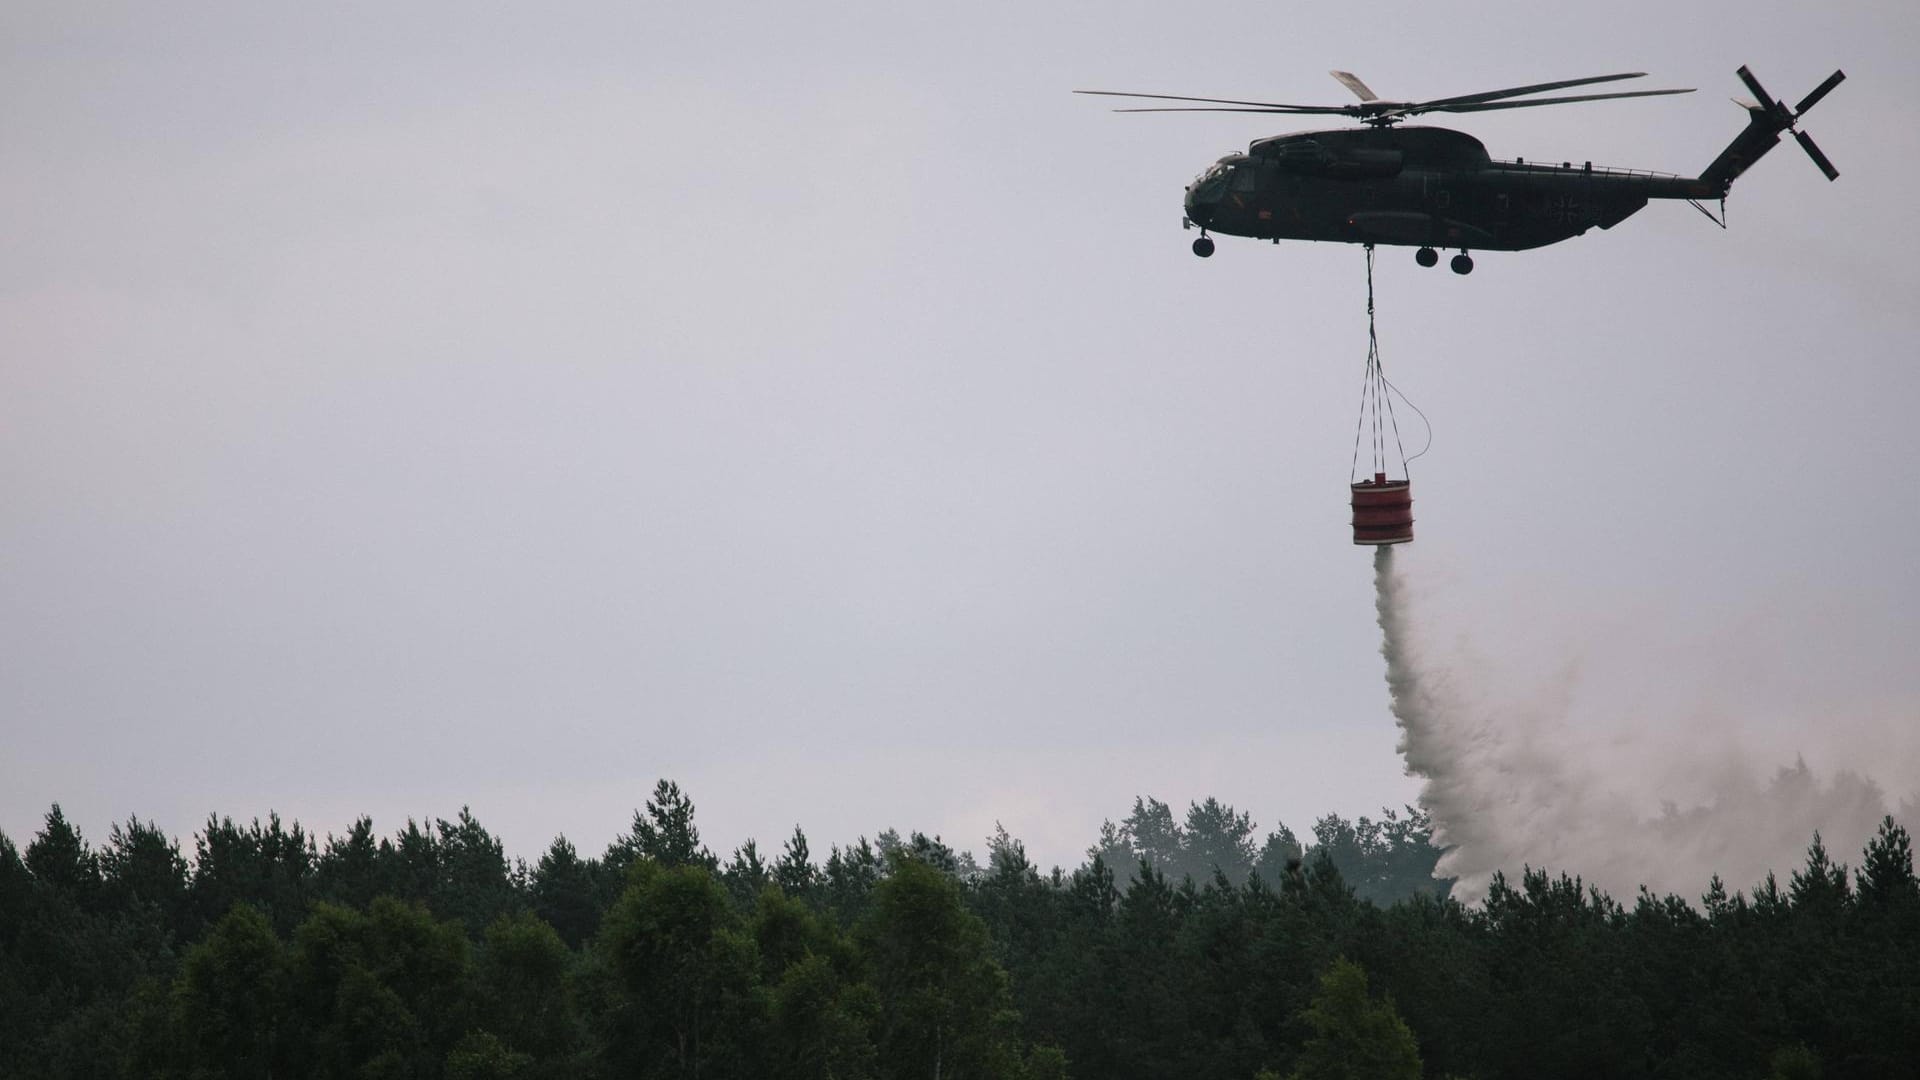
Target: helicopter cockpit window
[[1243, 178], [1211, 183]]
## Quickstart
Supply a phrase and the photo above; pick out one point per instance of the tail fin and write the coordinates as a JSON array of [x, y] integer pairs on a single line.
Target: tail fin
[[1766, 119]]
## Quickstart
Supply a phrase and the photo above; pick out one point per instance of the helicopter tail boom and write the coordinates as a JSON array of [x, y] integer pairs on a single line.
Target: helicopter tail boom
[[1766, 119]]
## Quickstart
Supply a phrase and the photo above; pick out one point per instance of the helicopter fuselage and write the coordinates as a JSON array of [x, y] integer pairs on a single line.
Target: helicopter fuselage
[[1418, 187]]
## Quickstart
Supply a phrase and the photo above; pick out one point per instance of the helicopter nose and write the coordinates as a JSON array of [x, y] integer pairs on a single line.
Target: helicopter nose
[[1199, 209]]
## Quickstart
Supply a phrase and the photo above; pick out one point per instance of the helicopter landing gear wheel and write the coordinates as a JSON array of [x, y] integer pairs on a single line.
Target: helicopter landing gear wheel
[[1462, 263], [1203, 247], [1426, 256]]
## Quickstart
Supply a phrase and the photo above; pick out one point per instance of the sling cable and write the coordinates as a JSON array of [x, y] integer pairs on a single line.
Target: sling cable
[[1382, 507]]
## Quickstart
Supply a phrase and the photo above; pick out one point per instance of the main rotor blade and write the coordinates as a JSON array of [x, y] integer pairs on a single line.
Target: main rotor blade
[[1820, 159], [1485, 106], [1495, 95], [1819, 92], [1352, 82], [1281, 110], [1759, 92], [1209, 100]]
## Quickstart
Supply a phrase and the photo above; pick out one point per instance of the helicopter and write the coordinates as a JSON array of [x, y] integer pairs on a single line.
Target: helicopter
[[1433, 187]]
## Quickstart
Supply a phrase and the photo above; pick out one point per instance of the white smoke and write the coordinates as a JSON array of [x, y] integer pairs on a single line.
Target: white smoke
[[1509, 785]]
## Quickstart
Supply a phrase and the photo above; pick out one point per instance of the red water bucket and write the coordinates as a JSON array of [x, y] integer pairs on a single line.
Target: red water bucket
[[1382, 511]]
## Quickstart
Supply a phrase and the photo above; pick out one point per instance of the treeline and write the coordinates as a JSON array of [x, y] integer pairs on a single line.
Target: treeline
[[1189, 947]]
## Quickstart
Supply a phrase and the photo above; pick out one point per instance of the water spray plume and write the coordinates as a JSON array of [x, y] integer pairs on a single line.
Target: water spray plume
[[1507, 790]]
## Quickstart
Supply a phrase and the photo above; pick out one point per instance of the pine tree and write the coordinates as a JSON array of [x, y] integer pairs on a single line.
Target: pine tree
[[1820, 888], [664, 832], [795, 872], [474, 884], [350, 870], [1279, 856], [1886, 868], [267, 866], [142, 869], [747, 874], [60, 860], [1152, 835], [1113, 849], [16, 892], [564, 894], [1219, 839], [848, 880]]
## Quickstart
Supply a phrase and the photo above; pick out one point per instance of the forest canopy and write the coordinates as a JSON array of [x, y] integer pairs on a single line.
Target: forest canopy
[[1185, 945]]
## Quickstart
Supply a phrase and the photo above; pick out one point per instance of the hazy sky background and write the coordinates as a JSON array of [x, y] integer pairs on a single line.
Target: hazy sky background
[[409, 406]]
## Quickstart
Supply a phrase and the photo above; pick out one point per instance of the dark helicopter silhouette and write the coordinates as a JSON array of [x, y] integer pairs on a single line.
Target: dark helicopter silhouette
[[1432, 187]]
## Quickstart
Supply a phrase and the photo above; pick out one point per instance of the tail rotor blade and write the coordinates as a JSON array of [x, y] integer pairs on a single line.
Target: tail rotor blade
[[1820, 159], [1759, 92], [1819, 92]]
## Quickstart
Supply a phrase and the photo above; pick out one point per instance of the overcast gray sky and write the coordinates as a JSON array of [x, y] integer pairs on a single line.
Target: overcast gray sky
[[409, 406]]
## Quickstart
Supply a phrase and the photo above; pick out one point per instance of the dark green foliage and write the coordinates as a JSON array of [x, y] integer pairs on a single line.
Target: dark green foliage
[[353, 870], [16, 892], [59, 859], [795, 872], [747, 874], [426, 954], [1561, 992], [474, 885], [482, 1056], [848, 880], [522, 991], [821, 1024], [1384, 860], [944, 1005], [1819, 890], [1219, 840], [1019, 907], [664, 833], [412, 863], [142, 869], [820, 1015], [69, 961], [930, 850], [687, 971], [1155, 838], [231, 1003], [1794, 1062], [786, 931], [1047, 1063], [386, 991], [1886, 870], [1280, 851], [269, 867], [1354, 1036], [564, 893]]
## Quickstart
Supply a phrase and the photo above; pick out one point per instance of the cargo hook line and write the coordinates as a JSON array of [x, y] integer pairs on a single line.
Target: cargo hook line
[[1376, 398], [1404, 400]]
